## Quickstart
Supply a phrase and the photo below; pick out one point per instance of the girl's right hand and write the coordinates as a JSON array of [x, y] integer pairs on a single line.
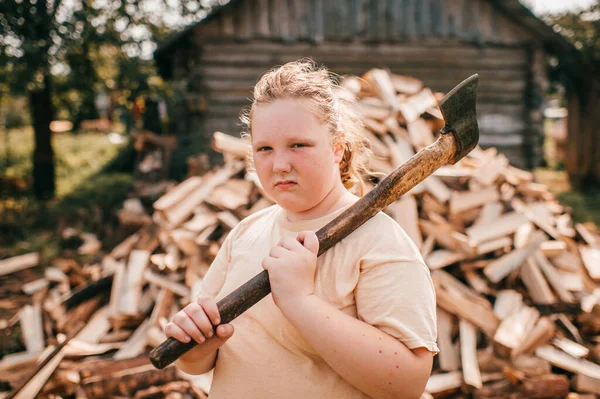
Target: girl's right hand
[[196, 321]]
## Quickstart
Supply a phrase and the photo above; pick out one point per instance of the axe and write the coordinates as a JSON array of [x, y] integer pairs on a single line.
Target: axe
[[458, 137]]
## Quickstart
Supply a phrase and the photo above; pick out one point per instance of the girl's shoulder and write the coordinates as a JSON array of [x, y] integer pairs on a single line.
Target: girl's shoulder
[[382, 233], [260, 218]]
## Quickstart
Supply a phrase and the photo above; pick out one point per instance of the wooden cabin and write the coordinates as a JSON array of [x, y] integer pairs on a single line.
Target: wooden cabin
[[215, 63]]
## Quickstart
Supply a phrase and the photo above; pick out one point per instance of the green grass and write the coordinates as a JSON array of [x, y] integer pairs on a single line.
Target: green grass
[[87, 196], [585, 204], [77, 157]]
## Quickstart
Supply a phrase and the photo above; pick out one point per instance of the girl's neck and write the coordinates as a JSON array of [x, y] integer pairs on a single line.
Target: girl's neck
[[337, 198]]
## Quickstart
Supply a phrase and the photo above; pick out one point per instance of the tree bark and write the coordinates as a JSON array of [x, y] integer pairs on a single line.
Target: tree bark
[[42, 113], [583, 144]]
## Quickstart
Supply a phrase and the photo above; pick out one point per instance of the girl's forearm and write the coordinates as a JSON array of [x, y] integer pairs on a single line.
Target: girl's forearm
[[366, 357], [200, 359]]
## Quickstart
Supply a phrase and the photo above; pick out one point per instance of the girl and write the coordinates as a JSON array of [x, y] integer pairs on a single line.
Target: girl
[[357, 322]]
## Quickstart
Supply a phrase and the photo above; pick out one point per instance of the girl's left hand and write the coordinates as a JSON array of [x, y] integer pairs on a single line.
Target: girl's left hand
[[291, 265]]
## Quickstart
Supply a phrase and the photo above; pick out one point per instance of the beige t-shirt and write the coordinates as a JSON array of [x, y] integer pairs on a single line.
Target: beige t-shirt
[[376, 274]]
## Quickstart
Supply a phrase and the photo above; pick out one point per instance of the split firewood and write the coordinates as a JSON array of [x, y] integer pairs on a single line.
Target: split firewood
[[444, 383], [488, 232], [226, 143], [449, 355], [468, 354], [18, 263]]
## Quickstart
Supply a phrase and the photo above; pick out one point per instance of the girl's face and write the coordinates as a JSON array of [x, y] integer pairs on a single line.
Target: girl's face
[[294, 157]]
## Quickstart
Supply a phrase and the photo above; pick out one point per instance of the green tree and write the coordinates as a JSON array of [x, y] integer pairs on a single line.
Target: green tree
[[579, 72], [582, 29], [47, 49]]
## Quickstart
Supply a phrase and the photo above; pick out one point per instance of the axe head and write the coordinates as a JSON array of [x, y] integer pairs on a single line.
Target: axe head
[[458, 109]]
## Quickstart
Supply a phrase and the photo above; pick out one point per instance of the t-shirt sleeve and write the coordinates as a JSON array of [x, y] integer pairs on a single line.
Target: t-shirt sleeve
[[217, 272], [397, 295]]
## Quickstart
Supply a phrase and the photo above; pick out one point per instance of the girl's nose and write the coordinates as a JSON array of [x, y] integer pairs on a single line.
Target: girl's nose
[[281, 163]]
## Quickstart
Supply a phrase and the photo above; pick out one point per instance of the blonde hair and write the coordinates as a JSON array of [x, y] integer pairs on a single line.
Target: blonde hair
[[303, 79]]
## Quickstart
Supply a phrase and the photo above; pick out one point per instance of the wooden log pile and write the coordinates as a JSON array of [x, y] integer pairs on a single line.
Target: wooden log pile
[[517, 281]]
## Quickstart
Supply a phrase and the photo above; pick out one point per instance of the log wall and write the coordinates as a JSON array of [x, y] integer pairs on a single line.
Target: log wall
[[439, 42]]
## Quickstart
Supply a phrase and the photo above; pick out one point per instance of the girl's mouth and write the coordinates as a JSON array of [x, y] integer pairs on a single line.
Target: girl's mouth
[[286, 184]]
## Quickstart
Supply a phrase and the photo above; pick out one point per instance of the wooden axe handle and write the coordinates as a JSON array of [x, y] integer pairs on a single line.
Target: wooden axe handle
[[390, 189]]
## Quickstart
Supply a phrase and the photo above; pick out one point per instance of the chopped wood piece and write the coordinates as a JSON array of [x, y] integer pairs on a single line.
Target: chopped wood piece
[[200, 221], [569, 327], [448, 356], [571, 347], [587, 236], [420, 134], [504, 225], [571, 281], [553, 248], [162, 307], [567, 261], [392, 150], [178, 213], [442, 258], [128, 381], [185, 241], [381, 83], [138, 260], [531, 365], [31, 327], [428, 246], [228, 219], [489, 213], [18, 263], [515, 328], [462, 201], [135, 344], [437, 189], [553, 277], [379, 111], [77, 348], [493, 245], [235, 146], [523, 235], [22, 359], [454, 297], [394, 127], [529, 212], [96, 328], [177, 193], [35, 286], [541, 333], [502, 267], [444, 382], [446, 236], [489, 172], [468, 354], [375, 126], [35, 384], [406, 84], [477, 282], [591, 260], [567, 362], [414, 106], [164, 282], [546, 386], [507, 303], [584, 383], [231, 195], [536, 284]]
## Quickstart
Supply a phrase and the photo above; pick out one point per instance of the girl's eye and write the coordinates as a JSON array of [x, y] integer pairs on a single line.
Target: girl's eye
[[264, 149], [298, 145]]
